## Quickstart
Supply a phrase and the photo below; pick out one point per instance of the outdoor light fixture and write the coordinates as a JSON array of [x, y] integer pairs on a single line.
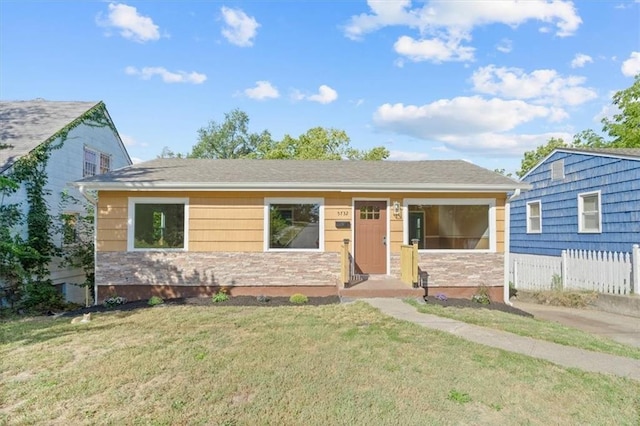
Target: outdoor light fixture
[[396, 208]]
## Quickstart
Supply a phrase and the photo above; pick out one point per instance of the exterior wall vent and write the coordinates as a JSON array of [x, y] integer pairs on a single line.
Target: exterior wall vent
[[557, 170]]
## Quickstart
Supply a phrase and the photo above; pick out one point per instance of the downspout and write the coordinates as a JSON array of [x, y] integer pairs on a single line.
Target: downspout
[[94, 202], [507, 248]]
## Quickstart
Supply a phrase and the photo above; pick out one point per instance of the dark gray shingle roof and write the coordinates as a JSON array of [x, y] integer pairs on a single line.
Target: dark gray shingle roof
[[309, 174], [26, 124]]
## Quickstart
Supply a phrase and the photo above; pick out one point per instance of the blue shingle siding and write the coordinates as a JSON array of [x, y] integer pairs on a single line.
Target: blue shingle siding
[[617, 179]]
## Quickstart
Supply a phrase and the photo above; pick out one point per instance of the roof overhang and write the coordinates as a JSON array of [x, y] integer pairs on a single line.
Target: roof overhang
[[298, 186]]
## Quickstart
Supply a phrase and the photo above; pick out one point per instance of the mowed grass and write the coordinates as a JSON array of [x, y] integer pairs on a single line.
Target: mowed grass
[[530, 327], [328, 365]]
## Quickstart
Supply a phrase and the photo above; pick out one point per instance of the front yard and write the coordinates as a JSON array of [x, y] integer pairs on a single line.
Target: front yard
[[334, 364]]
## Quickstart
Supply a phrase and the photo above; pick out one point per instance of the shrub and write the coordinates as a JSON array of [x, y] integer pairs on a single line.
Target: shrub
[[155, 300], [298, 299], [41, 297], [482, 296], [220, 296], [114, 301]]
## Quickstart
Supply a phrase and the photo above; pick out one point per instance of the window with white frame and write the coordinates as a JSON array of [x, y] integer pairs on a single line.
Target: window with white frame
[[294, 224], [454, 224], [158, 223], [105, 163], [90, 163], [95, 162], [589, 212], [534, 217]]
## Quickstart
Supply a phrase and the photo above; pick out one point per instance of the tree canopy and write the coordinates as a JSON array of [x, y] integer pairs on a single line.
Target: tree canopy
[[232, 139], [622, 129]]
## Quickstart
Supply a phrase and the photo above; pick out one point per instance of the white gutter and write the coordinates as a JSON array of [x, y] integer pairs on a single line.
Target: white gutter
[[507, 237], [293, 186], [94, 202]]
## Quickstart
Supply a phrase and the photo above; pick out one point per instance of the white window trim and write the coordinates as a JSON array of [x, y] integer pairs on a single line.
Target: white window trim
[[155, 200], [293, 200], [491, 202], [529, 230], [581, 211]]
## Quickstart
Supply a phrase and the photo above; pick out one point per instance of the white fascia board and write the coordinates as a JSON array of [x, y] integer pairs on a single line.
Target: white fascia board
[[297, 186]]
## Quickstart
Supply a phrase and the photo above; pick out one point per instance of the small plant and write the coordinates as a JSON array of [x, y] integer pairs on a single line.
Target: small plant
[[220, 296], [459, 397], [113, 301], [298, 299], [155, 300], [556, 282], [513, 291], [482, 296], [262, 298]]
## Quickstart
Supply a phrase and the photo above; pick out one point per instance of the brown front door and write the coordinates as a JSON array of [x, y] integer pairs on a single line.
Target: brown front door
[[370, 234]]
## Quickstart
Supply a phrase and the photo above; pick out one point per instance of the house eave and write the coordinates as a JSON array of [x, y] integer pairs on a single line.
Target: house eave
[[297, 186]]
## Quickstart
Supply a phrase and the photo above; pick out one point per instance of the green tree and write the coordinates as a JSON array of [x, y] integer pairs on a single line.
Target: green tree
[[318, 143], [623, 130], [624, 127], [531, 158], [231, 139]]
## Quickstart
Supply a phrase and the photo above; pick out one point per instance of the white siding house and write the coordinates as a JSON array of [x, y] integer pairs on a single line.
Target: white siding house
[[87, 150]]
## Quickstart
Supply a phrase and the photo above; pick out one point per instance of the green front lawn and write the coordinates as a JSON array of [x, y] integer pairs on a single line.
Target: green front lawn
[[335, 364]]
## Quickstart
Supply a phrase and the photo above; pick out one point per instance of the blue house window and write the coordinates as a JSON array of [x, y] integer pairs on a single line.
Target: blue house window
[[589, 212], [534, 217]]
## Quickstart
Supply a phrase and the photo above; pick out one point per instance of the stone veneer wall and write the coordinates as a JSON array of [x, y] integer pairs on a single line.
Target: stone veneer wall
[[236, 269], [458, 269]]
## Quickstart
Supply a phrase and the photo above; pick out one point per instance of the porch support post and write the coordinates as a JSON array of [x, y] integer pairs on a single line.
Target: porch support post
[[344, 263], [414, 264]]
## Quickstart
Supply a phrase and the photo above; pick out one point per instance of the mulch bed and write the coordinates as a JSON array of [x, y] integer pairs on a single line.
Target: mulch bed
[[467, 303], [284, 301]]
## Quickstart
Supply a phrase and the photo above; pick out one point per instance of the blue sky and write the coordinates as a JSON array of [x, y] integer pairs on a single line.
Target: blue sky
[[477, 80]]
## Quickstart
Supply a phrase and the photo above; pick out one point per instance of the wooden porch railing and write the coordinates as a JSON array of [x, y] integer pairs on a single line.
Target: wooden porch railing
[[409, 263]]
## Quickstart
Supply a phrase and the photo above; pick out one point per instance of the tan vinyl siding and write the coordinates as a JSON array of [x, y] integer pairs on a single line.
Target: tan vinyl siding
[[112, 222], [234, 222]]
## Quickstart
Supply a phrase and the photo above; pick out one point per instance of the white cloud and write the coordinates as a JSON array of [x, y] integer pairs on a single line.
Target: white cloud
[[167, 76], [129, 141], [434, 50], [136, 160], [540, 86], [631, 66], [240, 29], [580, 60], [505, 45], [325, 95], [450, 22], [436, 15], [407, 156], [504, 144], [444, 118], [131, 25], [263, 90]]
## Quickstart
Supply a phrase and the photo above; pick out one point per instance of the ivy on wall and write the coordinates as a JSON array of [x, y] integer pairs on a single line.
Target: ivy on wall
[[24, 263]]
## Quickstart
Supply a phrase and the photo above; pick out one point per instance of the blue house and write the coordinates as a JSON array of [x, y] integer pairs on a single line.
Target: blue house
[[581, 199]]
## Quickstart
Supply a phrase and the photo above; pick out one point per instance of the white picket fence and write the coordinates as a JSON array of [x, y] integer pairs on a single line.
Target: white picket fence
[[604, 272]]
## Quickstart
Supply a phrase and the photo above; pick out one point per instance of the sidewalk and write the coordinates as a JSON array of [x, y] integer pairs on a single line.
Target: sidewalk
[[565, 356]]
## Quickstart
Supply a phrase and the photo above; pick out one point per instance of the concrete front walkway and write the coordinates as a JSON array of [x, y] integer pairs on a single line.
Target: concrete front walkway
[[566, 356]]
